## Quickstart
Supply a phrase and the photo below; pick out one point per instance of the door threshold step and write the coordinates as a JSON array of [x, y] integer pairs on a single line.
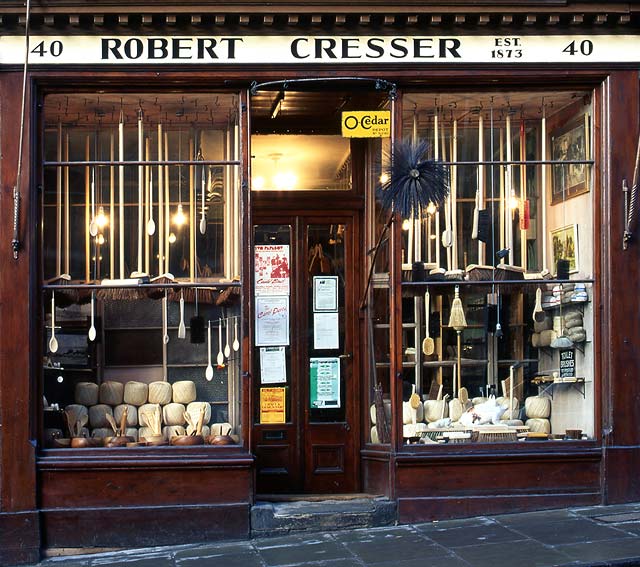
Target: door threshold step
[[326, 513]]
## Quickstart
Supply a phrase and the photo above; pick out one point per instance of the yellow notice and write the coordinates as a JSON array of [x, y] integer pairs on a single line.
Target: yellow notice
[[366, 124], [272, 405]]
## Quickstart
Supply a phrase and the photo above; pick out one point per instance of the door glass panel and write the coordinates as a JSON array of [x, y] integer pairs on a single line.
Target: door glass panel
[[329, 361], [272, 244]]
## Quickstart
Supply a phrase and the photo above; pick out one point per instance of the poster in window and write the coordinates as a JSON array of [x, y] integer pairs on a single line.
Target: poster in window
[[272, 270], [272, 405], [272, 321], [324, 382], [564, 245]]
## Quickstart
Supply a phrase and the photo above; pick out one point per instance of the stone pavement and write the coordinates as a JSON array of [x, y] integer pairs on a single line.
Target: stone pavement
[[594, 536]]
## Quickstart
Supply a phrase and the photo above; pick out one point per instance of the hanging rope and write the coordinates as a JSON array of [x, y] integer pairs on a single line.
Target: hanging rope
[[631, 203], [15, 243]]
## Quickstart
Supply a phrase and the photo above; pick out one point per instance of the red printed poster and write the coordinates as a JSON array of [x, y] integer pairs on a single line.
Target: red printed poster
[[272, 269]]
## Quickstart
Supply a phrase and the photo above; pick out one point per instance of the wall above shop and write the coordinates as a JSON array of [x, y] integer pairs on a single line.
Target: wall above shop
[[370, 15]]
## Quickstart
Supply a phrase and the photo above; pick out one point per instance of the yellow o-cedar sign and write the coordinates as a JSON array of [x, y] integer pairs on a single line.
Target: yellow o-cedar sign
[[272, 405], [366, 124]]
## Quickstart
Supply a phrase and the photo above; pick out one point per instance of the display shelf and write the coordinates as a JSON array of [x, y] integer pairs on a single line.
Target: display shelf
[[547, 386]]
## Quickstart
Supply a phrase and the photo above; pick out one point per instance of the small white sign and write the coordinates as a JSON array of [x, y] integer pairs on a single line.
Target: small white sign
[[273, 365], [325, 293], [272, 321], [325, 331]]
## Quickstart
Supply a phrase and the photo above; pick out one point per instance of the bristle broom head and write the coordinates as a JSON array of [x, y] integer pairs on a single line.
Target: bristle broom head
[[414, 181]]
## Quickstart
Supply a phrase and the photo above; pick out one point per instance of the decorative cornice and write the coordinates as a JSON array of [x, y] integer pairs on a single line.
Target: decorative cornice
[[75, 16]]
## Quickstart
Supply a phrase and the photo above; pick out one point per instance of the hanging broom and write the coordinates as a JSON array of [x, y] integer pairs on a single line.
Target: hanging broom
[[458, 321]]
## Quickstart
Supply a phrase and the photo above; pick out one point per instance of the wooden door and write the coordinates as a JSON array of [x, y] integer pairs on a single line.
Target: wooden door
[[315, 449]]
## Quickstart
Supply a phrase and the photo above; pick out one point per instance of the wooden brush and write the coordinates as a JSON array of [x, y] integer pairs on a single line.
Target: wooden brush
[[428, 345]]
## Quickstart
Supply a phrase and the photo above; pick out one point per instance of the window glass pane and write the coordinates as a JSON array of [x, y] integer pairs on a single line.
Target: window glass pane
[[514, 240]]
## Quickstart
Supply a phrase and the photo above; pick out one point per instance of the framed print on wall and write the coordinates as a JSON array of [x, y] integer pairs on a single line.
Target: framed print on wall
[[570, 143], [564, 245]]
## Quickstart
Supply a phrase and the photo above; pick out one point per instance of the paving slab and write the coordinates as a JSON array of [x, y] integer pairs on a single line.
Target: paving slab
[[569, 531], [227, 560], [303, 553], [463, 536], [526, 553], [603, 550]]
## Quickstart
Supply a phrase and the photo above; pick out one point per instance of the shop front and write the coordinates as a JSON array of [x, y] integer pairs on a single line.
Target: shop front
[[256, 256]]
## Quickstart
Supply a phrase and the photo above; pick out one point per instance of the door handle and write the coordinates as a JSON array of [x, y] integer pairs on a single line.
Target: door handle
[[345, 356]]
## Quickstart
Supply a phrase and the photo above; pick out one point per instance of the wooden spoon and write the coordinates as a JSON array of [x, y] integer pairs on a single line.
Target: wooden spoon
[[428, 346], [220, 357], [208, 373], [53, 342], [236, 342], [92, 329], [227, 347]]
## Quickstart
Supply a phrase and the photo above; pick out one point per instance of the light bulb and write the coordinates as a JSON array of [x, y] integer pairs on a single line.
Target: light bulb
[[258, 183], [172, 238], [431, 208], [513, 201], [100, 239], [384, 178], [102, 220], [285, 181], [179, 219], [406, 223]]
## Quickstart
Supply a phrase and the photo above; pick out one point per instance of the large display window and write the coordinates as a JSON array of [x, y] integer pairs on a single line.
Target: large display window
[[141, 225], [497, 281]]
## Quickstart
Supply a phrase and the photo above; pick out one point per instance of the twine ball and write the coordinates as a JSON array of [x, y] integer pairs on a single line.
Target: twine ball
[[136, 393], [372, 414], [435, 410], [571, 321], [577, 334], [206, 431], [374, 435], [547, 337], [132, 432], [193, 409], [86, 393], [535, 340], [407, 413], [169, 431], [173, 414], [545, 325], [511, 422], [413, 430], [97, 415], [111, 393], [145, 432], [76, 412], [148, 409], [455, 409], [537, 407], [132, 414], [101, 432], [160, 393], [538, 425], [184, 392], [479, 400]]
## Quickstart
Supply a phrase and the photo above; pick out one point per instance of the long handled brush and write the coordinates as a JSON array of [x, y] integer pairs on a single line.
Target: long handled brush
[[458, 321]]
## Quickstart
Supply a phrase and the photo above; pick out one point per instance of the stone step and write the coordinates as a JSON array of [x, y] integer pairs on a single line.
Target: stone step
[[281, 518]]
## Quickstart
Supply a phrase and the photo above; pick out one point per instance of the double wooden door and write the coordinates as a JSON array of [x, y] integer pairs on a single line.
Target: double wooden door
[[312, 446]]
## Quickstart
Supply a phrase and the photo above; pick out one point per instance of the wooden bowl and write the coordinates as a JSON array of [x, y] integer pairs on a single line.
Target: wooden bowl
[[84, 442], [61, 443], [137, 444], [154, 440], [118, 441], [221, 440], [187, 440]]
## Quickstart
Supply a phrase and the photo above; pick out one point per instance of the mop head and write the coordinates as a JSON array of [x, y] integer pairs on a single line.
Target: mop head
[[414, 181], [457, 320]]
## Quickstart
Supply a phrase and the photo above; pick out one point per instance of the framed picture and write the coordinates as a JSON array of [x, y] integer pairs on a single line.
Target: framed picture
[[570, 143], [564, 244]]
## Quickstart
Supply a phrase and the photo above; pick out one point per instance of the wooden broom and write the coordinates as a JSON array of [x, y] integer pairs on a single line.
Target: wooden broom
[[458, 321]]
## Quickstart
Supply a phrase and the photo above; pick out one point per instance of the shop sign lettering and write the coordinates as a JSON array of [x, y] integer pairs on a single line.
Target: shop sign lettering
[[331, 50]]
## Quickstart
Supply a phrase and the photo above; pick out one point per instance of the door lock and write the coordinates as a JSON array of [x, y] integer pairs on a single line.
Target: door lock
[[345, 356], [347, 427]]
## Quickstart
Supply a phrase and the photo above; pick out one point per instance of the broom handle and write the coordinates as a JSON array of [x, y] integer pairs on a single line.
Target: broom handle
[[121, 226], [454, 198], [481, 188], [435, 155], [523, 196], [59, 202], [508, 190], [543, 135], [167, 211], [112, 192], [160, 204], [502, 201], [140, 188], [459, 377]]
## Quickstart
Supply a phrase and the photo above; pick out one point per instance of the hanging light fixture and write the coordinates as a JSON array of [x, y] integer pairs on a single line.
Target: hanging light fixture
[[179, 219]]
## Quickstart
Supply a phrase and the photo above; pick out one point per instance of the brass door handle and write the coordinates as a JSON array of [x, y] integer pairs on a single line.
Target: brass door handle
[[345, 356]]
